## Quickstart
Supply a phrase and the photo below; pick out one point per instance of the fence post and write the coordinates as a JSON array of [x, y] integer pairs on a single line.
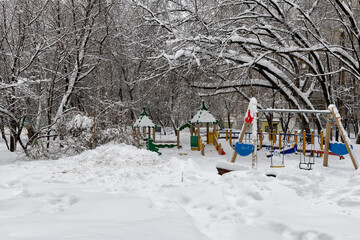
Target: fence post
[[178, 139]]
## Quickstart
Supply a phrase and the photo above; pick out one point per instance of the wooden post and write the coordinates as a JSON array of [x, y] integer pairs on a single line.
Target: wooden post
[[253, 159], [342, 133], [178, 139], [154, 134], [327, 141], [288, 137], [242, 134], [279, 140], [207, 133], [296, 137], [231, 138], [227, 133], [261, 139], [312, 138], [149, 133], [198, 132], [202, 149], [191, 129], [274, 137], [304, 143], [321, 142], [219, 148]]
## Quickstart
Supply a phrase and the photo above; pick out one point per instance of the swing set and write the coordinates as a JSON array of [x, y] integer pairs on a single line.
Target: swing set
[[245, 149], [335, 148]]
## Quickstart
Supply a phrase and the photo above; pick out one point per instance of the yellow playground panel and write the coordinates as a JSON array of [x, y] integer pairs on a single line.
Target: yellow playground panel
[[265, 126], [211, 138]]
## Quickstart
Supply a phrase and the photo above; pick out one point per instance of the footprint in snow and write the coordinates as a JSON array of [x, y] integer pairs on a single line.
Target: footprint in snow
[[59, 203], [289, 233], [252, 212], [255, 195]]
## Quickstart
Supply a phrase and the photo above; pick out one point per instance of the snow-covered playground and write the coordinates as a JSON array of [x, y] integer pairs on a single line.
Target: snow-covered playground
[[121, 192]]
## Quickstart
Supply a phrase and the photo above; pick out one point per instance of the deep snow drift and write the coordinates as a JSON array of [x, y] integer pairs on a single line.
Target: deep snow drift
[[120, 192]]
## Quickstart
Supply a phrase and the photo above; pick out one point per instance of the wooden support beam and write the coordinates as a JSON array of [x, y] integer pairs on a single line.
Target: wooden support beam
[[296, 137], [279, 140], [274, 137], [342, 133], [253, 158], [231, 138], [178, 139], [242, 134], [304, 143], [312, 137], [227, 135], [154, 134], [261, 139], [327, 141], [149, 133], [288, 137], [199, 137]]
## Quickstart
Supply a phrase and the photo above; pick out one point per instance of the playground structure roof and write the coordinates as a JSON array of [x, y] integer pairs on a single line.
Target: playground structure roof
[[144, 120], [203, 115]]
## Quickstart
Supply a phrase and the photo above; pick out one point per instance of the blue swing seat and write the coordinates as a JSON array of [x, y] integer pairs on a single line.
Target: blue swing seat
[[244, 149], [338, 148]]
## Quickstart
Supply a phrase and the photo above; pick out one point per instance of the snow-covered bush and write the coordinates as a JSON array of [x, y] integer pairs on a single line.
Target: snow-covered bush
[[77, 133]]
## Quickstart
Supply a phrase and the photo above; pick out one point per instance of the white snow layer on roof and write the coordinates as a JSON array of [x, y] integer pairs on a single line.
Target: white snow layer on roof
[[144, 121], [203, 116]]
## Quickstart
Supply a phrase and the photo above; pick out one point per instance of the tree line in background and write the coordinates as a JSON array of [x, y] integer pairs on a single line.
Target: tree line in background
[[75, 73]]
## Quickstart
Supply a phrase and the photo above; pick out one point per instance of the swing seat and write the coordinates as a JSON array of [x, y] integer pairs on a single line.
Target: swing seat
[[244, 149], [338, 148], [305, 165], [277, 162]]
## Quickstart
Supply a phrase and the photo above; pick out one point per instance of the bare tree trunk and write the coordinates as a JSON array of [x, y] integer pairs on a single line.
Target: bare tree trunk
[[13, 139], [2, 129]]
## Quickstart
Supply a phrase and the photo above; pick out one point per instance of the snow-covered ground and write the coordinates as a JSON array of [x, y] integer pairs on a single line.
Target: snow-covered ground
[[120, 192]]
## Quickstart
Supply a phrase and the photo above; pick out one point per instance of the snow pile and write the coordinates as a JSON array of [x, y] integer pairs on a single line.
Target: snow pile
[[231, 166], [122, 155]]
